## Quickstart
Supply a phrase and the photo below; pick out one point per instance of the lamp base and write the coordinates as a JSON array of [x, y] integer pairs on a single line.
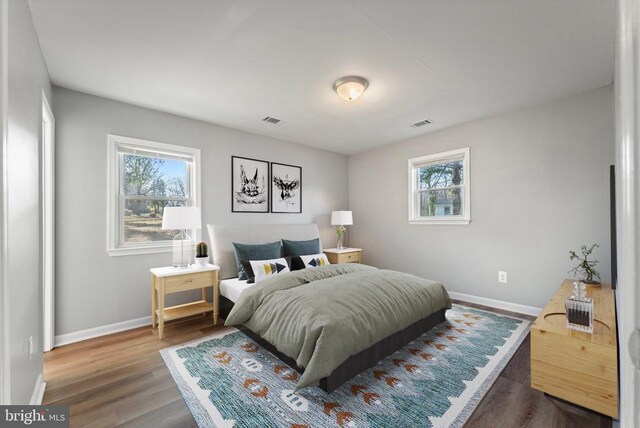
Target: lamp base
[[340, 234], [182, 250], [182, 266]]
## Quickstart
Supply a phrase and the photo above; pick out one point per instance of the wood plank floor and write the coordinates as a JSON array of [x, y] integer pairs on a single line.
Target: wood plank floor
[[121, 380]]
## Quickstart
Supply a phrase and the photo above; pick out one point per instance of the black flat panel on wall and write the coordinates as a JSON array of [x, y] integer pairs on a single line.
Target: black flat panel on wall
[[612, 202]]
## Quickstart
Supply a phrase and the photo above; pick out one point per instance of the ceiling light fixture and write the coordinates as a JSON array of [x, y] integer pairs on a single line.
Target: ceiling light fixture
[[350, 87]]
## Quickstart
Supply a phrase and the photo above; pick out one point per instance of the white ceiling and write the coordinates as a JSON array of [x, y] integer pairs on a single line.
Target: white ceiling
[[234, 62]]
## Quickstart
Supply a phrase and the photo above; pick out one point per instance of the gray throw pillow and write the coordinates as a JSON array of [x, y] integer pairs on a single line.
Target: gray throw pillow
[[301, 248], [254, 252]]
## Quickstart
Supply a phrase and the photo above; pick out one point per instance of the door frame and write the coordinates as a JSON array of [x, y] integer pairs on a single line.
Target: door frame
[[5, 372], [48, 224], [627, 99]]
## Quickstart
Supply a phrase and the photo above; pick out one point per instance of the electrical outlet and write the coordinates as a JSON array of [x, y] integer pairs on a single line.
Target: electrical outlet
[[30, 347], [502, 276]]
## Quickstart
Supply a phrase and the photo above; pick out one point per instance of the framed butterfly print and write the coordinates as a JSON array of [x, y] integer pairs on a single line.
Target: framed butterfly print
[[286, 188]]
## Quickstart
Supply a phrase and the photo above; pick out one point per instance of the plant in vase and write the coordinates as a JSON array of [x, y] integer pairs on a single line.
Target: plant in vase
[[586, 268], [202, 254]]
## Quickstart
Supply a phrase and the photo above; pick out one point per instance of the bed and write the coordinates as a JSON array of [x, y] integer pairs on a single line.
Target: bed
[[329, 323], [231, 288]]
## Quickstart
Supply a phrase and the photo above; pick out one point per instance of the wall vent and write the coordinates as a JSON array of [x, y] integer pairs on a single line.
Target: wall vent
[[271, 120], [421, 123]]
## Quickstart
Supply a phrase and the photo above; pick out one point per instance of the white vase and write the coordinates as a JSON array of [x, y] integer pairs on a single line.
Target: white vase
[[202, 261]]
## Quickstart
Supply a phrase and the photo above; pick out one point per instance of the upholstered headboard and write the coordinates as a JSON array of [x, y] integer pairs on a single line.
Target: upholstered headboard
[[223, 236]]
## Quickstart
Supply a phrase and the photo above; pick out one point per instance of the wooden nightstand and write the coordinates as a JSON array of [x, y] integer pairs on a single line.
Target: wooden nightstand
[[166, 280], [347, 255]]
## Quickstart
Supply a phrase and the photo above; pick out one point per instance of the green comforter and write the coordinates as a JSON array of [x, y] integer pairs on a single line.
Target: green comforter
[[322, 316]]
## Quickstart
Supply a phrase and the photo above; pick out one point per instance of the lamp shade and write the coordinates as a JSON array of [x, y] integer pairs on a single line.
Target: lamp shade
[[341, 218], [181, 218]]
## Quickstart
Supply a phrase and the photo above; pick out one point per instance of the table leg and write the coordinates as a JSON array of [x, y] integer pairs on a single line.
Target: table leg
[[204, 298], [154, 301], [161, 310], [215, 300]]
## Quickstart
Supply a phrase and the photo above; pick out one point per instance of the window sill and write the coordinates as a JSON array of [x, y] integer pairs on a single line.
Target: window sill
[[134, 251], [447, 221]]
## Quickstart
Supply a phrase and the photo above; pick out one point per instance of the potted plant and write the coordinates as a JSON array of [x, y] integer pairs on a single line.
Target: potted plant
[[202, 254], [586, 268]]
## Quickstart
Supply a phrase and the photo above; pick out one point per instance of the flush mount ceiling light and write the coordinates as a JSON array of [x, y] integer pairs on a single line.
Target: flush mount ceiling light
[[350, 87]]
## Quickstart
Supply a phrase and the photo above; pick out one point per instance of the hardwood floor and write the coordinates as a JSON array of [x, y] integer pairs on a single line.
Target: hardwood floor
[[121, 380]]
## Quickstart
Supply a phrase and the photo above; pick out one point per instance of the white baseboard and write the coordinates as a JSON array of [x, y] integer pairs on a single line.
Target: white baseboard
[[38, 392], [90, 333], [498, 304]]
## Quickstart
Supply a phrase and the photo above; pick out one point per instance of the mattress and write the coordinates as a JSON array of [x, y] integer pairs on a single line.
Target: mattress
[[231, 288]]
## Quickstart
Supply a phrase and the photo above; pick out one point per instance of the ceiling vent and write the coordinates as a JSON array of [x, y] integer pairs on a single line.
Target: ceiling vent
[[421, 123], [271, 120]]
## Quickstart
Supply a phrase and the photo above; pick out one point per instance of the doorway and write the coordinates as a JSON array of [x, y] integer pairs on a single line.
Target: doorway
[[627, 212]]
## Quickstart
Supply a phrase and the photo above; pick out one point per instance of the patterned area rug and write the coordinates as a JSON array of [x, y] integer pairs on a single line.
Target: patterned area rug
[[437, 380]]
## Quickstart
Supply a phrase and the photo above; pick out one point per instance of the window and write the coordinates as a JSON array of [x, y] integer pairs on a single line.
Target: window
[[144, 177], [439, 188]]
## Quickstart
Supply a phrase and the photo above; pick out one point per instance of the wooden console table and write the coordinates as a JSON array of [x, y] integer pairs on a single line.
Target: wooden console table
[[579, 367]]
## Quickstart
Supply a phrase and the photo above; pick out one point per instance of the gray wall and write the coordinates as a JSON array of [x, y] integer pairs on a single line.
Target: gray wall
[[94, 289], [27, 77], [539, 187]]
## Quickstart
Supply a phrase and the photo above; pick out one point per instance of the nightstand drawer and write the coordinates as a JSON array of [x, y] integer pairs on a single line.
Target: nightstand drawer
[[347, 257], [187, 282]]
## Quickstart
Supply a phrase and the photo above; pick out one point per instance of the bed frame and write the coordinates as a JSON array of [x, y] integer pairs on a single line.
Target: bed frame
[[361, 361], [222, 249]]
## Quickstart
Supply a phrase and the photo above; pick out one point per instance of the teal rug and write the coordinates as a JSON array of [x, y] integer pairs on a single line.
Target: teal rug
[[227, 380]]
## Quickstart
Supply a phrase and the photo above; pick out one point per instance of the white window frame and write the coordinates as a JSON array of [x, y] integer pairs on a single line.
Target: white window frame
[[444, 157], [114, 142]]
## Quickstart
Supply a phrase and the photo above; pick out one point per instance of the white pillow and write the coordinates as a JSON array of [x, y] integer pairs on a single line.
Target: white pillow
[[265, 269], [315, 260]]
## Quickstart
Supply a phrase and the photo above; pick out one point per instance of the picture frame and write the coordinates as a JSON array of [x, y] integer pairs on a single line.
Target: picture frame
[[286, 188], [249, 185]]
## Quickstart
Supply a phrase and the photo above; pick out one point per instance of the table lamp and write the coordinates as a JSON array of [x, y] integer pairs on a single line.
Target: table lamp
[[181, 218], [341, 219]]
